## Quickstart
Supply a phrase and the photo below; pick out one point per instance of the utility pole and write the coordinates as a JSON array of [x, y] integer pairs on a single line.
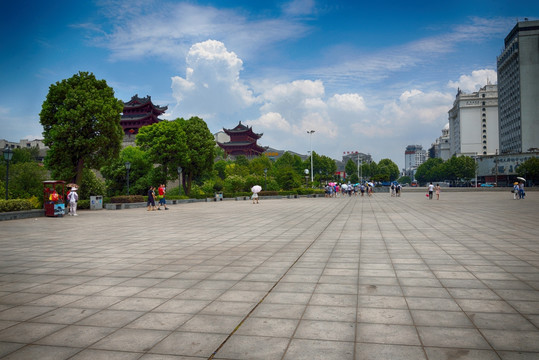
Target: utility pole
[[311, 141]]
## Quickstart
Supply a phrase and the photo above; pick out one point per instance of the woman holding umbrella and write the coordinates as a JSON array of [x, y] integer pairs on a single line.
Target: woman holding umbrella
[[255, 189]]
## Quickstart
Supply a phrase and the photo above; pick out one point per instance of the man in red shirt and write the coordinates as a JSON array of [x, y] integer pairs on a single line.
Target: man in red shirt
[[162, 201]]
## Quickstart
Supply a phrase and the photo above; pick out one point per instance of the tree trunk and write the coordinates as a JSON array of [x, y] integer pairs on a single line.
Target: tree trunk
[[80, 167]]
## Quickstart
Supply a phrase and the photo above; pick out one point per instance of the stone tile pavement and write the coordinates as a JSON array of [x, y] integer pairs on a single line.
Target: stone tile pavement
[[308, 278]]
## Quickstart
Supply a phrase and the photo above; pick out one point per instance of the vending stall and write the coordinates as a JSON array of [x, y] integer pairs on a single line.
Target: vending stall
[[54, 197]]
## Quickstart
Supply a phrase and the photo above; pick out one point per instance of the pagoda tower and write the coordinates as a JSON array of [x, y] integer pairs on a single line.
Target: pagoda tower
[[139, 112], [242, 142]]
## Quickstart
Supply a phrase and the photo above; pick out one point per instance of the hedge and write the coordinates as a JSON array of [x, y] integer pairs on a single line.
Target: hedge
[[16, 205], [127, 199]]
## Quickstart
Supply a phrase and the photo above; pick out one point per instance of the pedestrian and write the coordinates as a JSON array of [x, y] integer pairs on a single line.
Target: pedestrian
[[254, 197], [151, 199], [398, 190], [162, 200], [431, 190], [521, 190], [438, 188], [73, 197], [516, 191]]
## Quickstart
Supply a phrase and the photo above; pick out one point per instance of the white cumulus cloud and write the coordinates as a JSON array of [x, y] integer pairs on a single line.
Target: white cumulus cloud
[[475, 81], [212, 81]]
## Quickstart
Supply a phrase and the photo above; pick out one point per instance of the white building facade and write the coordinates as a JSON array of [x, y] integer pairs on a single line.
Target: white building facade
[[414, 155], [473, 123], [518, 83]]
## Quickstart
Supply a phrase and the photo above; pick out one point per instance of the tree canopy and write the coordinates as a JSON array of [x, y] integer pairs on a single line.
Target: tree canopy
[[81, 122], [165, 143]]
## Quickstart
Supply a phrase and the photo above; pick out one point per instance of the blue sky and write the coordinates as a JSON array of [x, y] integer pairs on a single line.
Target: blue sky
[[372, 76]]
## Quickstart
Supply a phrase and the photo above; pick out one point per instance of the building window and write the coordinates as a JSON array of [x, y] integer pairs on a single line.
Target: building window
[[484, 147]]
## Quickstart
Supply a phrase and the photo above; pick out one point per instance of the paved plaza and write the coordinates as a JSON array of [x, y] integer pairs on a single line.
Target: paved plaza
[[309, 278]]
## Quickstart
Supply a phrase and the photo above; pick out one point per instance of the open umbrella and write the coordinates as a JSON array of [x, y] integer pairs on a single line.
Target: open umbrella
[[256, 189], [521, 179], [72, 185]]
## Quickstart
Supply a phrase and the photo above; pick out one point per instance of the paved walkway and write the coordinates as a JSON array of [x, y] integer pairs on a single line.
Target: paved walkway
[[309, 278]]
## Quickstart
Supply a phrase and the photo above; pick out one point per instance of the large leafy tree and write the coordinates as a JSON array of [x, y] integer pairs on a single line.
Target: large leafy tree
[[115, 174], [81, 122], [529, 169], [351, 171], [425, 171], [199, 156], [387, 166], [165, 143]]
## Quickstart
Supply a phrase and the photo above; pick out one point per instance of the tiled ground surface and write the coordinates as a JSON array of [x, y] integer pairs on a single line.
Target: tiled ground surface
[[352, 278]]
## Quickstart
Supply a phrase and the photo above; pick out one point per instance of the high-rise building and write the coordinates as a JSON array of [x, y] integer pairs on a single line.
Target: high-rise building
[[473, 122], [518, 86], [413, 157], [441, 148]]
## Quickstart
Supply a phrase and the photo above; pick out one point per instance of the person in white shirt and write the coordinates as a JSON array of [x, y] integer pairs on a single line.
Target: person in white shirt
[[431, 189], [73, 198]]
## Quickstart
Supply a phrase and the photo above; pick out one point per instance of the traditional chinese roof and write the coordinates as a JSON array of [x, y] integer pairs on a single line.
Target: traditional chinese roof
[[137, 102], [242, 129]]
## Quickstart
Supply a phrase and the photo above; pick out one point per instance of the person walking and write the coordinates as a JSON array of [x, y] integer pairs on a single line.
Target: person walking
[[516, 191], [151, 199], [431, 190], [438, 189], [73, 197], [162, 200]]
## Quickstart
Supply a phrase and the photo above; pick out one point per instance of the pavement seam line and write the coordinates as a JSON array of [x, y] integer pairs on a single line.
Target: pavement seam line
[[273, 287]]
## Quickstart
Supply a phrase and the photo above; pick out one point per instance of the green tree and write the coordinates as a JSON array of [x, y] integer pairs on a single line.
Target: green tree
[[115, 174], [423, 173], [26, 180], [351, 171], [404, 180], [529, 170], [81, 123], [90, 185], [220, 167], [198, 158], [288, 160], [388, 167], [166, 144], [288, 178]]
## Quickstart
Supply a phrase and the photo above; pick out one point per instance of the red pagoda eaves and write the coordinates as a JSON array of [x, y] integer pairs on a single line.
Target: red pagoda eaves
[[242, 142], [139, 112]]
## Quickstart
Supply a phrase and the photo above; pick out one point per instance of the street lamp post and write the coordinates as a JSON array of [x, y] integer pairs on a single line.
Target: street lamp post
[[127, 167], [180, 180], [266, 179], [311, 141], [8, 155]]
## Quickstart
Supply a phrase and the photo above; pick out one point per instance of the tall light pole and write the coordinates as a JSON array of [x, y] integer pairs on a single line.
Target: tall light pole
[[311, 141], [8, 155], [127, 167]]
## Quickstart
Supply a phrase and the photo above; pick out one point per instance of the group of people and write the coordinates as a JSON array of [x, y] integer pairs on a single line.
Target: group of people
[[161, 191], [395, 189], [432, 189], [518, 191], [332, 190]]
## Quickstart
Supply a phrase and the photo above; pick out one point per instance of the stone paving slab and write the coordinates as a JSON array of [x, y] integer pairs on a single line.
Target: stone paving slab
[[308, 278]]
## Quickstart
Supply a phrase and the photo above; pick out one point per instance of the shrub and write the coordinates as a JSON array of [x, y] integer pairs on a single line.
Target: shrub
[[83, 204], [15, 205], [127, 199]]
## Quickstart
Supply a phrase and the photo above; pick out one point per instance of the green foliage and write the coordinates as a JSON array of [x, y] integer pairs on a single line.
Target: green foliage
[[141, 174], [26, 180], [200, 152], [23, 155], [81, 122], [165, 143], [351, 170], [529, 170], [389, 169], [234, 183], [90, 185], [83, 205], [127, 199], [16, 205], [404, 180], [426, 172], [288, 178], [220, 167]]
